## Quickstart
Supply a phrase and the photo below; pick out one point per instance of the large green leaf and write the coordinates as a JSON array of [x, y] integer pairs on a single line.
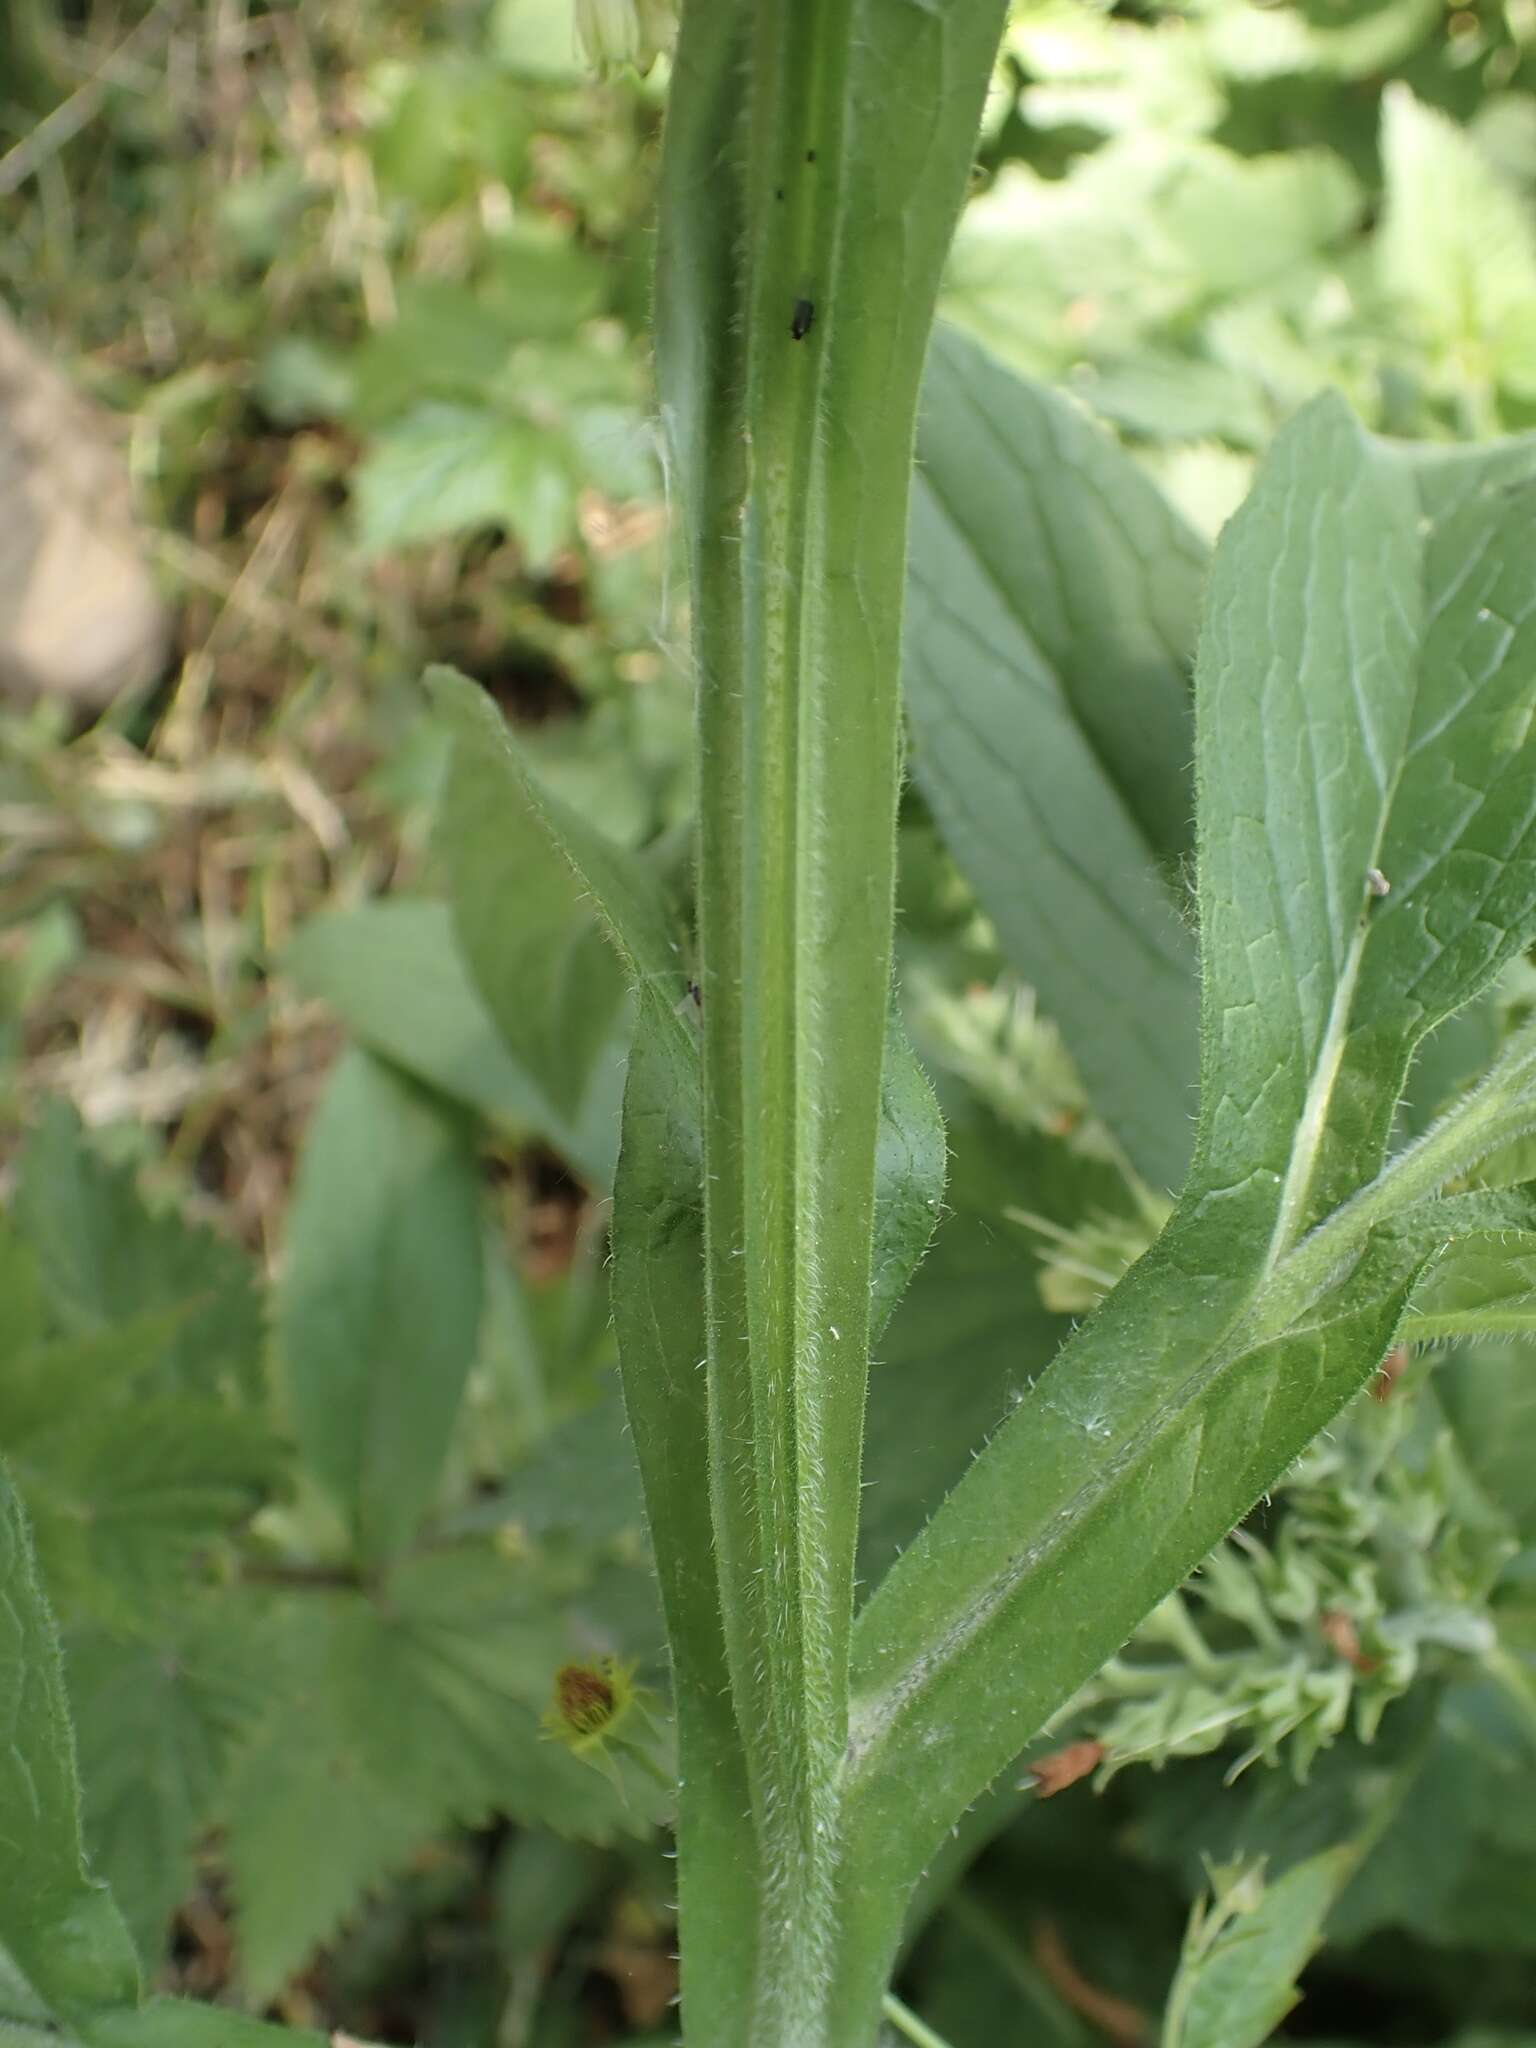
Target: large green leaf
[[126, 1483], [394, 974], [156, 1716], [106, 1258], [380, 1299], [1052, 599], [57, 1922], [125, 1498], [1366, 686], [396, 1716], [527, 930]]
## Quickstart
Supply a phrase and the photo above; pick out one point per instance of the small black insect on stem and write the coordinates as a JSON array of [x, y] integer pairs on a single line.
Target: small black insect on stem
[[800, 325]]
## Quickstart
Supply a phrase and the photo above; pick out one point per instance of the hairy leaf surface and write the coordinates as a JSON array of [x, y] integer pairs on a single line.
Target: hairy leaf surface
[[58, 1923], [1366, 685]]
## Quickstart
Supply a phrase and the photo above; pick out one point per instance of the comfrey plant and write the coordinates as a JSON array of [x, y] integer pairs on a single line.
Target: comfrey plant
[[1366, 676], [1365, 802]]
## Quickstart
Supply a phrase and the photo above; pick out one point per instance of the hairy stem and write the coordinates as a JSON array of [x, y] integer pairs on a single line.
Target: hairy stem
[[815, 160]]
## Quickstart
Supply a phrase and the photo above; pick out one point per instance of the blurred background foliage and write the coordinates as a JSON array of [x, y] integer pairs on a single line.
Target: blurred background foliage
[[363, 288]]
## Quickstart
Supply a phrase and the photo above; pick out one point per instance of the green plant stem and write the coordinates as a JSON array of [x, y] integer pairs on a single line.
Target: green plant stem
[[815, 160], [1499, 1110], [906, 2021]]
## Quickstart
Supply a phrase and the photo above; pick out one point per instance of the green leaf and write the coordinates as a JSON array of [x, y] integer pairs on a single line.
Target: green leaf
[[1246, 1947], [168, 2023], [1052, 597], [1141, 235], [446, 469], [106, 1258], [971, 1331], [104, 1368], [1480, 1286], [1489, 1397], [179, 2023], [398, 1716], [1458, 1864], [1456, 248], [1237, 1979], [155, 1719], [658, 1304], [394, 974], [379, 1305], [126, 1498], [1365, 689], [622, 890], [126, 1485], [57, 1922], [1254, 42], [525, 924]]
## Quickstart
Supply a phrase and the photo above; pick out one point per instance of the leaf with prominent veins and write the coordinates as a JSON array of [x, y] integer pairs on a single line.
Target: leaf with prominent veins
[[1052, 600], [1365, 689]]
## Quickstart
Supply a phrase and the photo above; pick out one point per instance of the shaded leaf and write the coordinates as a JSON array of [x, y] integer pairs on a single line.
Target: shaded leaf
[[1237, 1981], [1458, 1864], [623, 891], [1051, 606], [525, 925], [379, 1305], [1366, 687], [445, 469], [106, 1258], [126, 1498], [155, 1719], [399, 1716], [394, 974]]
